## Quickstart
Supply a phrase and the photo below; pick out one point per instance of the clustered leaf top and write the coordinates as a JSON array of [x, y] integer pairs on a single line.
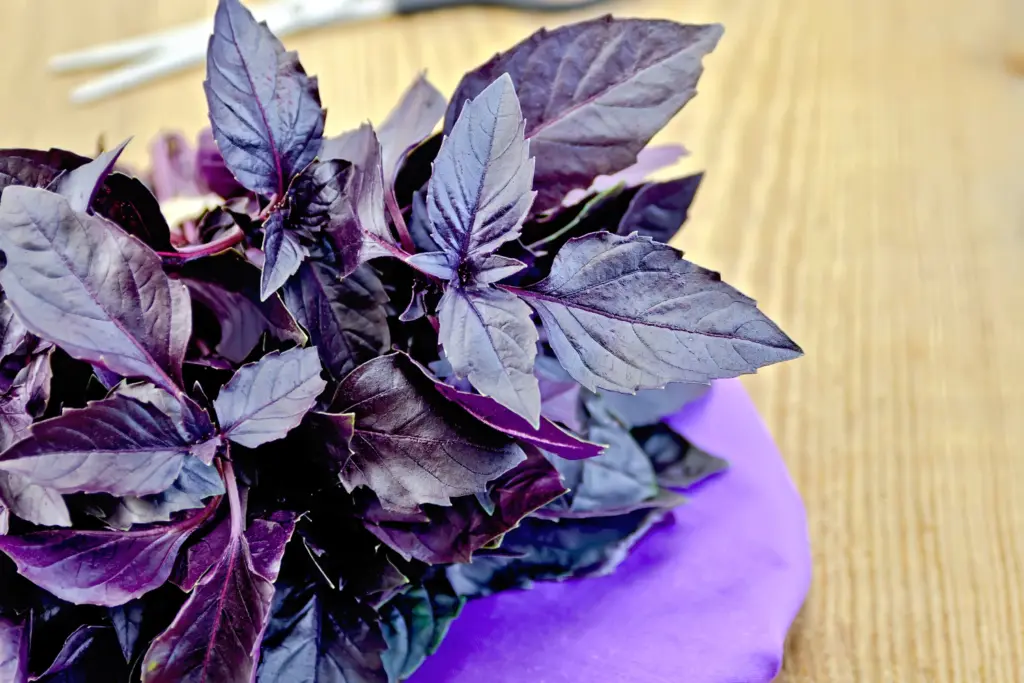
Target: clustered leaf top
[[285, 439]]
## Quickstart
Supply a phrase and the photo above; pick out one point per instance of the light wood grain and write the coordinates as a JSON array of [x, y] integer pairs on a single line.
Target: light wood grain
[[865, 182]]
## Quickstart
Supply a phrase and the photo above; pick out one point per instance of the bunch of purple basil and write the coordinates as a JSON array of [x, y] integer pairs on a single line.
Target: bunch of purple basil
[[285, 439]]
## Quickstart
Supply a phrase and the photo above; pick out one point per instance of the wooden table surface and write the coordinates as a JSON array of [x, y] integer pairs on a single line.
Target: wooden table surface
[[865, 181]]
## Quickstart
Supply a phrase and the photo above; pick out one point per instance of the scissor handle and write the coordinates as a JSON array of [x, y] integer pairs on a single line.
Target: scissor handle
[[414, 6]]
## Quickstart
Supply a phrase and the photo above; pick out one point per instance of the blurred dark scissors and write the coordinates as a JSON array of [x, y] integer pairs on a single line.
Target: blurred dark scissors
[[155, 55]]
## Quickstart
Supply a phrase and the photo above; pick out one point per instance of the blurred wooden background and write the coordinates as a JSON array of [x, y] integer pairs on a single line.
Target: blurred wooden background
[[865, 182]]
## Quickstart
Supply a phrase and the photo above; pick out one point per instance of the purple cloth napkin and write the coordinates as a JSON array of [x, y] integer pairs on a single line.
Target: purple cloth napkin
[[708, 599]]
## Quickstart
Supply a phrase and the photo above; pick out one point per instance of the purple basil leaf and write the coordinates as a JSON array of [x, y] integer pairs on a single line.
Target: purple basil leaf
[[74, 648], [25, 399], [267, 538], [217, 633], [548, 436], [121, 310], [196, 483], [80, 185], [319, 200], [122, 199], [211, 170], [495, 268], [489, 337], [414, 624], [14, 636], [101, 567], [411, 445], [417, 307], [229, 288], [264, 110], [559, 394], [119, 446], [344, 316], [284, 254], [435, 263], [33, 503], [266, 399], [318, 635], [649, 406], [409, 123], [454, 533], [127, 622], [627, 313], [173, 167], [618, 481], [108, 379], [679, 464], [190, 419], [547, 550], [358, 226], [479, 193], [203, 551], [648, 160], [659, 210], [419, 224], [595, 93]]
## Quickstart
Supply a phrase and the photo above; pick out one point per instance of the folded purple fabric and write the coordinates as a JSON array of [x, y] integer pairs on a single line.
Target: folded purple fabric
[[708, 599]]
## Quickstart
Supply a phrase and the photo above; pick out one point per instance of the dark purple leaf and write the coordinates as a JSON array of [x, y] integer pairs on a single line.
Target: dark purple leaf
[[442, 535], [229, 288], [627, 313], [173, 167], [122, 199], [618, 481], [414, 624], [419, 224], [489, 337], [411, 445], [648, 160], [559, 394], [284, 254], [480, 191], [319, 201], [651, 405], [119, 445], [217, 633], [120, 311], [14, 635], [202, 552], [127, 622], [318, 635], [409, 123], [548, 436], [267, 399], [196, 483], [679, 464], [190, 419], [74, 648], [358, 226], [211, 169], [264, 110], [595, 93], [658, 210], [25, 400], [101, 567], [90, 655], [33, 503], [547, 550], [81, 184], [344, 316]]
